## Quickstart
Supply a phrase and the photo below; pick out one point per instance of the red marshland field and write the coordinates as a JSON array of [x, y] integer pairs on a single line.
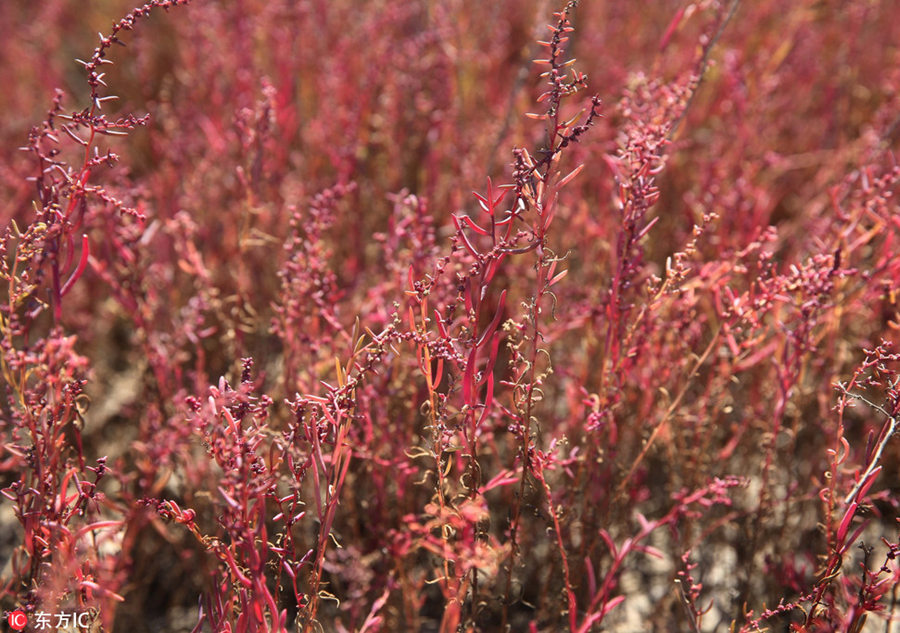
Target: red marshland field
[[449, 317]]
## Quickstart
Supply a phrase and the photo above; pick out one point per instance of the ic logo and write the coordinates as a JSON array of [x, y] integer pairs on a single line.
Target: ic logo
[[17, 619]]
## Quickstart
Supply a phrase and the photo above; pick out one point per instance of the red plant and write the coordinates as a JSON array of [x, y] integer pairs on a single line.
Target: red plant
[[265, 350]]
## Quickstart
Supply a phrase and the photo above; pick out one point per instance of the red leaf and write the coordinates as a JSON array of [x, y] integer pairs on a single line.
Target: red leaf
[[568, 178], [474, 226], [489, 397], [468, 244], [494, 322], [845, 522], [670, 31], [82, 264], [468, 376]]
